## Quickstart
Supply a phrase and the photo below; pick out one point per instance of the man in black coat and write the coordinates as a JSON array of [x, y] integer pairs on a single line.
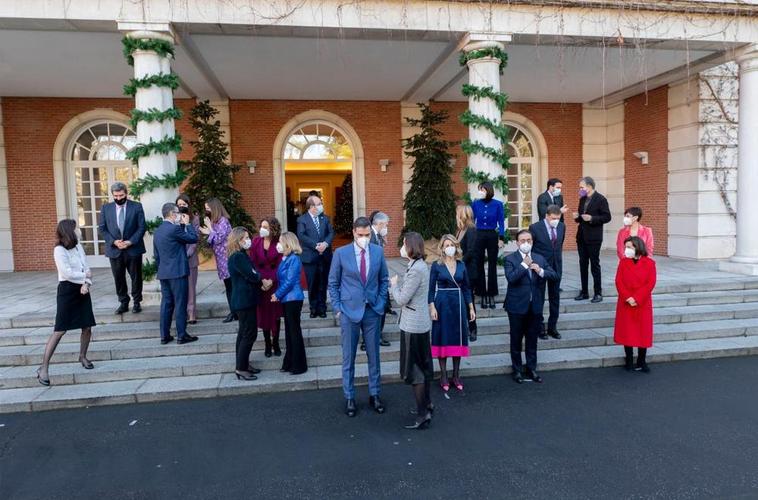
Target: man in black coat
[[551, 196], [316, 235], [593, 214], [548, 235]]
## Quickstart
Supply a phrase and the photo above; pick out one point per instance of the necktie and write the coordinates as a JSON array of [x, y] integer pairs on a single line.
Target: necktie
[[121, 220], [315, 223], [553, 237], [363, 267]]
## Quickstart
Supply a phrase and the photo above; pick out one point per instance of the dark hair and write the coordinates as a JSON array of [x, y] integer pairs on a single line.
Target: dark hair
[[588, 181], [65, 235], [522, 232], [273, 227], [182, 210], [553, 210], [414, 245], [168, 209], [639, 246], [487, 186], [361, 222], [634, 212], [313, 192], [553, 181]]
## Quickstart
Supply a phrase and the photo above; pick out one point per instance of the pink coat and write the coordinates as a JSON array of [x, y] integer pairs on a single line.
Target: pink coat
[[644, 232]]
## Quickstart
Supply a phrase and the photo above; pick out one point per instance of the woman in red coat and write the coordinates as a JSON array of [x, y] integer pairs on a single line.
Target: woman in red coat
[[635, 280], [266, 261]]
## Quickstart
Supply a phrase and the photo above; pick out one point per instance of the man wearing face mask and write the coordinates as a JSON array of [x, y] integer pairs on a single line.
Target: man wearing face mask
[[316, 235], [548, 235], [358, 283], [122, 226], [379, 228], [593, 214], [526, 273], [170, 242], [552, 196]]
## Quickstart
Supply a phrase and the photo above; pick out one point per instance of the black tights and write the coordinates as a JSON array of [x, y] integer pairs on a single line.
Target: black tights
[[629, 354], [422, 393]]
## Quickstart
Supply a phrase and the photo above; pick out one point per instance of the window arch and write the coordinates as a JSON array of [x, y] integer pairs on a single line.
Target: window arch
[[317, 141], [523, 177]]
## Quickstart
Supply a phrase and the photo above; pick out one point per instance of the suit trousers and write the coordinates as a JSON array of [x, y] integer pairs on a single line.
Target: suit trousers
[[294, 355], [486, 241], [554, 299], [317, 276], [247, 332], [369, 325], [524, 327], [589, 256], [192, 294], [174, 302], [119, 267]]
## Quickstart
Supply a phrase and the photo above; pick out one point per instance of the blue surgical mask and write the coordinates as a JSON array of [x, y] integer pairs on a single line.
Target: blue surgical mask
[[320, 209]]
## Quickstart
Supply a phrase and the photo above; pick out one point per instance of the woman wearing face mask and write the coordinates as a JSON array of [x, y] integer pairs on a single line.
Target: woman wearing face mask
[[416, 366], [633, 227], [183, 202], [290, 294], [489, 216], [216, 227], [451, 309], [246, 284], [74, 309], [464, 219], [266, 260], [635, 280]]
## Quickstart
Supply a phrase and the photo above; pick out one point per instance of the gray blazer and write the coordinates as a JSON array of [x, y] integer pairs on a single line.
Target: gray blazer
[[411, 295]]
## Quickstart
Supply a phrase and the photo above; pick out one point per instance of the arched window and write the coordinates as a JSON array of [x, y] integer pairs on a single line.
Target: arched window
[[96, 159], [317, 141], [521, 178]]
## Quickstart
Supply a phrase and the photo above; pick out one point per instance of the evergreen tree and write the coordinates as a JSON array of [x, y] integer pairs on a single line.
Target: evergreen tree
[[210, 176], [430, 202], [343, 219]]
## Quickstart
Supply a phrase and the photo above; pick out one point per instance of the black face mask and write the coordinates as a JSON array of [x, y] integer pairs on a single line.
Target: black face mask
[[121, 201], [207, 213]]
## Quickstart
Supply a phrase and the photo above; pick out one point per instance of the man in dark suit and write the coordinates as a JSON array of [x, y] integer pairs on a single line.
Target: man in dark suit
[[122, 226], [526, 273], [316, 235], [548, 235], [551, 196], [170, 248], [593, 214]]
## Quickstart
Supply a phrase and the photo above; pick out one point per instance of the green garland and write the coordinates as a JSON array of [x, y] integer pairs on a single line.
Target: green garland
[[479, 93], [149, 270], [152, 225], [161, 47], [469, 119], [160, 80], [151, 182], [495, 52], [162, 147], [500, 182], [470, 148], [154, 115]]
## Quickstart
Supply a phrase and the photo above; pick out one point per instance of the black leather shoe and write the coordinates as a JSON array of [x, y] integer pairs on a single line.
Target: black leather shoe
[[597, 298], [392, 312], [384, 343], [166, 341], [517, 377], [533, 376], [554, 333], [582, 296], [313, 314], [122, 308], [137, 308], [229, 318], [376, 403], [254, 371], [420, 425], [350, 409], [542, 335], [186, 339], [642, 368], [192, 322], [363, 346], [322, 315]]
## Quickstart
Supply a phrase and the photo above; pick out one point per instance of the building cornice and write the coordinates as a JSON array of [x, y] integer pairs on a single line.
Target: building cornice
[[744, 7]]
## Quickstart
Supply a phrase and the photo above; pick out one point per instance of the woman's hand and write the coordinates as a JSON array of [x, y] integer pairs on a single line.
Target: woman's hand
[[393, 280], [273, 298], [84, 290], [471, 313], [433, 312], [631, 302]]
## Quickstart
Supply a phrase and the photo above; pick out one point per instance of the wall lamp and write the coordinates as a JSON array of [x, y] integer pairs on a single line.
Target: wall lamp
[[383, 164], [642, 156], [251, 166]]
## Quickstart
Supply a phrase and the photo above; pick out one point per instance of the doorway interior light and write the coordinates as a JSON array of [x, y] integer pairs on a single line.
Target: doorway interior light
[[383, 164], [251, 166]]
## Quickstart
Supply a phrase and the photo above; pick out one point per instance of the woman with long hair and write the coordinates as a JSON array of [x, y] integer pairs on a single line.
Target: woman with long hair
[[266, 260], [466, 235], [193, 259], [216, 227]]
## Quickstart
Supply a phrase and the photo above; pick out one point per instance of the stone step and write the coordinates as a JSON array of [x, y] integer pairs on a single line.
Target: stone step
[[143, 390]]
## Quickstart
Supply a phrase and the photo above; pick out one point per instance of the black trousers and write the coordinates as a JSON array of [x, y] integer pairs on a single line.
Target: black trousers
[[119, 267], [486, 241], [294, 355], [247, 332], [228, 290], [524, 326], [589, 256], [317, 276], [554, 300]]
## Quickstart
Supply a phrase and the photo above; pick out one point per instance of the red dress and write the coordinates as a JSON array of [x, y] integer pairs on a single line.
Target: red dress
[[634, 325], [266, 263]]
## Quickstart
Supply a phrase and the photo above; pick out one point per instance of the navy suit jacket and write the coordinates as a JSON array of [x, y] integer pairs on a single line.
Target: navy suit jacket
[[544, 201], [543, 245], [349, 295], [246, 282], [134, 229], [526, 294], [170, 249], [309, 237]]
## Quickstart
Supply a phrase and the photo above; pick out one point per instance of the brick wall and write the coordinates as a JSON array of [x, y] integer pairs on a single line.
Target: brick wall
[[646, 186], [31, 128]]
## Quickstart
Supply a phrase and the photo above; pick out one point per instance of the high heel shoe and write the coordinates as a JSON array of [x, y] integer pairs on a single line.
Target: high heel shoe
[[86, 363], [245, 376], [445, 387], [429, 409], [43, 381], [420, 424], [252, 370], [457, 383]]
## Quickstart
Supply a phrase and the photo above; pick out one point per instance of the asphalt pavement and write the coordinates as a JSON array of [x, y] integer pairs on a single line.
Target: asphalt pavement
[[686, 430]]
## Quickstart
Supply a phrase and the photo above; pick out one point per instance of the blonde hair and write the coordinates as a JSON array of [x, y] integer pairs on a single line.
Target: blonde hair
[[233, 241], [464, 217], [290, 242], [441, 248]]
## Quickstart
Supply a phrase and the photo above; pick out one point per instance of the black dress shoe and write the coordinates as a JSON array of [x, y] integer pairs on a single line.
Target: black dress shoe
[[420, 425], [192, 322], [122, 308], [376, 403], [186, 339], [533, 376], [229, 318], [582, 296], [350, 409], [252, 370], [554, 333], [517, 377], [137, 308], [642, 368], [384, 343], [392, 312], [597, 298], [363, 346], [166, 341], [313, 314], [322, 315], [543, 335]]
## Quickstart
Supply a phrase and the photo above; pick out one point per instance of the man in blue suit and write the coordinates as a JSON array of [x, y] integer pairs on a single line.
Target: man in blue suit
[[526, 273], [170, 248], [316, 236], [548, 235], [358, 282], [122, 226]]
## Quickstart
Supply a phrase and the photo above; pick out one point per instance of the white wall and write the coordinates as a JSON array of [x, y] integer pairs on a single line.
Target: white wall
[[6, 243]]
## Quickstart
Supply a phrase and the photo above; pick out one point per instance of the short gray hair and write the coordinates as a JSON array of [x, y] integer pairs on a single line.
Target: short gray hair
[[380, 217], [168, 209], [589, 181], [118, 186]]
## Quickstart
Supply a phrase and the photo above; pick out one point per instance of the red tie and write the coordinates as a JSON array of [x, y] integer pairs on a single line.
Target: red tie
[[363, 267]]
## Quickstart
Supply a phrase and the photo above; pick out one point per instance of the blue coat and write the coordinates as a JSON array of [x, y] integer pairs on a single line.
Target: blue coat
[[309, 237], [134, 228], [288, 276], [348, 294], [170, 249], [543, 245], [246, 282], [525, 294]]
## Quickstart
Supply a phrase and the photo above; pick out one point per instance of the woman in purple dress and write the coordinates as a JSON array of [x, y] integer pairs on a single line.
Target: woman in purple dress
[[266, 261], [217, 228], [183, 202]]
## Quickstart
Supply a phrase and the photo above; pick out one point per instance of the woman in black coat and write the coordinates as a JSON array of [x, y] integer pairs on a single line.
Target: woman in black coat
[[466, 234]]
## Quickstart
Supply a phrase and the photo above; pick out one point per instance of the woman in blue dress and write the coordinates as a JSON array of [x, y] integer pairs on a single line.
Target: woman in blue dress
[[451, 308]]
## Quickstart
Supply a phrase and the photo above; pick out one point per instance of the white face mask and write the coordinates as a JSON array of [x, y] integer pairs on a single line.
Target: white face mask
[[554, 222], [556, 192], [362, 242], [383, 232], [450, 251], [78, 234], [525, 247], [403, 252], [319, 209], [279, 248], [246, 243], [264, 232], [629, 253], [627, 221]]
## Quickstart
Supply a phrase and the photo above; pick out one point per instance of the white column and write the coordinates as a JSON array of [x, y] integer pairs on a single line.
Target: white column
[[6, 241]]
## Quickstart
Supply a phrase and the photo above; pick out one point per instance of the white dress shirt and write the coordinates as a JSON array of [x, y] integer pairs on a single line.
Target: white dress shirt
[[523, 256], [357, 251]]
